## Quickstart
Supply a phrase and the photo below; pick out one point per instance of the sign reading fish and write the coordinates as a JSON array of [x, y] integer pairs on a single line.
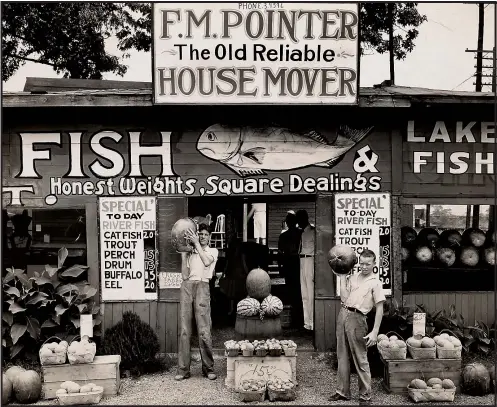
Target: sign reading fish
[[250, 151]]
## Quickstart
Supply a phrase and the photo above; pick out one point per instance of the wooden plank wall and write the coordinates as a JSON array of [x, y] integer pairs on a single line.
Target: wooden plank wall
[[276, 213], [154, 313], [479, 306], [325, 317]]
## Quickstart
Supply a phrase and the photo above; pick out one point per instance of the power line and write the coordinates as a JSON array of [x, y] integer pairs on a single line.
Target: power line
[[464, 81]]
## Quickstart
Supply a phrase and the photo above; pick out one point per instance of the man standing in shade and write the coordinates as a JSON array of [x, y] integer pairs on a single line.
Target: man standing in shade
[[289, 265], [306, 254], [197, 268], [359, 293]]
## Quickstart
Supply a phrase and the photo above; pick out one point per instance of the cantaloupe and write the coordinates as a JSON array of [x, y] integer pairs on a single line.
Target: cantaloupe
[[13, 372], [385, 343], [401, 344], [437, 386], [448, 384], [448, 345], [393, 338], [418, 384], [381, 337], [258, 284], [427, 343], [444, 336], [415, 343], [455, 341], [434, 380], [394, 345]]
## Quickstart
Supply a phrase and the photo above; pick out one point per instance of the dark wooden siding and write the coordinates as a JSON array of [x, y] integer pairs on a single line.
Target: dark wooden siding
[[162, 317], [473, 306], [325, 317]]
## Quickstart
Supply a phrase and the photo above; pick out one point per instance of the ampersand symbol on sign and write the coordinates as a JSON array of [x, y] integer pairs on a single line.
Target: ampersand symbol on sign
[[365, 160]]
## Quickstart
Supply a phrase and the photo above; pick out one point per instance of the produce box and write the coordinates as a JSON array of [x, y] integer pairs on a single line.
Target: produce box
[[103, 371], [428, 395], [398, 374], [286, 365]]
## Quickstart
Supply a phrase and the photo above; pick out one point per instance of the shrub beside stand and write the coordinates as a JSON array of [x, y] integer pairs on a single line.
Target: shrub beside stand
[[103, 371]]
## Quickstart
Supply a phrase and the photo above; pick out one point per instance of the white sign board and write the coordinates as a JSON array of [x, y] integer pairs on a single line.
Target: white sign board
[[128, 248], [170, 280], [419, 324], [86, 325], [363, 221], [262, 369], [257, 53]]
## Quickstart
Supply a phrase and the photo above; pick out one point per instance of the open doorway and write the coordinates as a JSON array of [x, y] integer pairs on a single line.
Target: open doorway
[[237, 222]]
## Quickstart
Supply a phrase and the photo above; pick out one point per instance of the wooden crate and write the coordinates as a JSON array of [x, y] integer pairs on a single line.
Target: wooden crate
[[399, 373], [103, 371]]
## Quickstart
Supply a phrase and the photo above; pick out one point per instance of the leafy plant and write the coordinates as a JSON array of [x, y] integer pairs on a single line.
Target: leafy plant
[[41, 306], [481, 338], [135, 341]]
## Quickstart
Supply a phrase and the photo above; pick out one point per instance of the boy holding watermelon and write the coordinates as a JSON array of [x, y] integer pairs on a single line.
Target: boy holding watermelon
[[359, 293], [197, 268]]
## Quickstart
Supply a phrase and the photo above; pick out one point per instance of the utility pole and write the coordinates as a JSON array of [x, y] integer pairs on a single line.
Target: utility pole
[[390, 42], [479, 47]]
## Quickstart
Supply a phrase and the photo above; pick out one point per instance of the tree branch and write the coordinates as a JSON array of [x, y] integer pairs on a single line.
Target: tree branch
[[30, 60]]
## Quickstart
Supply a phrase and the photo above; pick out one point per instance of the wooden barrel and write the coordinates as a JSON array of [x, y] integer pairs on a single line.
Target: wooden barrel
[[252, 328]]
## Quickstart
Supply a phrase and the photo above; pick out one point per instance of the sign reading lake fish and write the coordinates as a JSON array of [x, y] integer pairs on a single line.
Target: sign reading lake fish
[[52, 168], [258, 53]]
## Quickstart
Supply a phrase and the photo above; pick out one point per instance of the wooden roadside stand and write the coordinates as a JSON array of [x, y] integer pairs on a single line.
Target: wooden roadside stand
[[399, 373]]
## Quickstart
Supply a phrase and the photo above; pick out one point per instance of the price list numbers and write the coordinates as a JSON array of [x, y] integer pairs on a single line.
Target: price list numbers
[[151, 260], [384, 257]]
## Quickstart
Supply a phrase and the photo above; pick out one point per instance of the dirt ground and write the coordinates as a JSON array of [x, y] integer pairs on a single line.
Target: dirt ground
[[316, 382]]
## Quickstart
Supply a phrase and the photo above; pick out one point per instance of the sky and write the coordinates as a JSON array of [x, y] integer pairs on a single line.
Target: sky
[[439, 60]]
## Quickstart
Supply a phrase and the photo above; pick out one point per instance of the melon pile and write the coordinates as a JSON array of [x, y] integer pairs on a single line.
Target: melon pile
[[69, 387], [433, 383], [448, 249], [49, 350], [270, 306], [392, 342], [447, 341], [253, 385], [21, 384], [424, 342], [81, 351], [280, 384]]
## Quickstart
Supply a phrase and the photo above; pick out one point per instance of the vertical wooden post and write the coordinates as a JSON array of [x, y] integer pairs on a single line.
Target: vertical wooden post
[[245, 221]]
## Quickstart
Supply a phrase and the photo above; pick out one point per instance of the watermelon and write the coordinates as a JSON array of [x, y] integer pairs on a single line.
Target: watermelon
[[446, 256], [424, 254], [476, 380], [450, 238], [27, 387], [271, 305], [258, 284], [490, 256], [473, 237], [248, 307], [469, 256], [428, 237], [407, 235], [178, 231], [405, 253]]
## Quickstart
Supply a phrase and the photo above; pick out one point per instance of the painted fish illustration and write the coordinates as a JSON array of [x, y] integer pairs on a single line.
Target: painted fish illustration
[[250, 151]]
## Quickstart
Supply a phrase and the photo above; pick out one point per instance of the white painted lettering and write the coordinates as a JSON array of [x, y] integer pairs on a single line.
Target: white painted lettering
[[137, 150], [440, 133], [488, 161], [29, 155], [411, 137], [418, 160], [113, 156], [486, 129], [456, 159], [465, 132]]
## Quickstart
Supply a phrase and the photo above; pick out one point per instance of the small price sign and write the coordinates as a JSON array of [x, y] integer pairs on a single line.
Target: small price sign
[[419, 323]]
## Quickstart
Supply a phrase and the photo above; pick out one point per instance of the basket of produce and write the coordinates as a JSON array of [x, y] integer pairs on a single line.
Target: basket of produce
[[53, 353], [392, 348], [281, 390], [71, 393], [421, 347], [448, 346], [289, 347], [274, 347], [433, 390], [261, 348], [252, 390], [232, 348], [80, 352], [247, 349]]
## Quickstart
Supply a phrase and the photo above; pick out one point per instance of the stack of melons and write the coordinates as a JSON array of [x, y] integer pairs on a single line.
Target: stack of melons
[[69, 387], [280, 384], [391, 347], [421, 342], [447, 342], [433, 383], [253, 385]]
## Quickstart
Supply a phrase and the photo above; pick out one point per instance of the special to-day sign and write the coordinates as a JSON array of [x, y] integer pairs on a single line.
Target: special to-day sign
[[305, 53], [128, 248], [363, 221]]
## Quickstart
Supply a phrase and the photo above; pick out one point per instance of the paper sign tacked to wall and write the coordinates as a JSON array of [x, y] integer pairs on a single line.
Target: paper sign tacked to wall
[[419, 323], [170, 280]]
